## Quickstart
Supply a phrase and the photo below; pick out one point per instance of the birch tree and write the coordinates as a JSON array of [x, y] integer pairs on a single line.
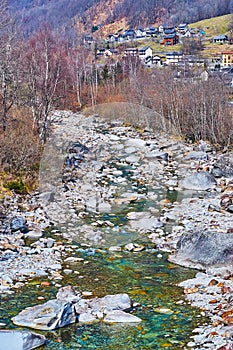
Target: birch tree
[[44, 67], [9, 58]]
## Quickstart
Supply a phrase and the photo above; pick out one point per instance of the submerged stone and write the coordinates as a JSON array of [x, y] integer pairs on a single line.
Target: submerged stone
[[20, 340]]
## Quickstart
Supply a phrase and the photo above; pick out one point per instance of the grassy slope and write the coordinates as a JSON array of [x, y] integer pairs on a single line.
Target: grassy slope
[[213, 26]]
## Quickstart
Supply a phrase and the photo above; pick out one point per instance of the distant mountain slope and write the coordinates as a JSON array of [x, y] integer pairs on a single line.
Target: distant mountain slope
[[58, 13], [64, 13]]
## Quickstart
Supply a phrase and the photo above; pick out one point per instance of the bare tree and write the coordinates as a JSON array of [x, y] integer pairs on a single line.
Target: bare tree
[[44, 67], [9, 58]]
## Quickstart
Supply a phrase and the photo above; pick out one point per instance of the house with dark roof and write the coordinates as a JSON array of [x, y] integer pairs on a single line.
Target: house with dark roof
[[168, 31], [152, 32], [173, 57], [131, 51], [88, 39], [157, 60], [170, 39], [140, 33], [129, 34], [145, 52], [182, 28], [170, 36], [220, 39], [111, 38]]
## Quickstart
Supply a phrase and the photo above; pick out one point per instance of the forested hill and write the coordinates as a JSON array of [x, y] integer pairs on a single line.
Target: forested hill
[[64, 13]]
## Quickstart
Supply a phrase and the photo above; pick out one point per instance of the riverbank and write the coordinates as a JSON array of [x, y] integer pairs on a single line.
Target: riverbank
[[108, 185]]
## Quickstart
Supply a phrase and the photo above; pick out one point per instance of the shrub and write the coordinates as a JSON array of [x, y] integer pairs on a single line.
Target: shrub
[[18, 186]]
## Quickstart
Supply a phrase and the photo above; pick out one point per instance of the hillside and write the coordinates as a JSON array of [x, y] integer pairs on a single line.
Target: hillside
[[214, 26], [105, 13]]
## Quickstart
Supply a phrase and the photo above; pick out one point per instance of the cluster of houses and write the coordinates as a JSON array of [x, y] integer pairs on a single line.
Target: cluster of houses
[[146, 56], [168, 35]]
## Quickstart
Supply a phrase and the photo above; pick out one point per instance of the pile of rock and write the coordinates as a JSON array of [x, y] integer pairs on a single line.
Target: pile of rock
[[212, 293], [70, 307]]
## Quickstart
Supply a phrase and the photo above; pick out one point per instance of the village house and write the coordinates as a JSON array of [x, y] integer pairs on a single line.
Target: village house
[[169, 30], [111, 38], [182, 28], [227, 59], [106, 52], [100, 52], [129, 34], [145, 52], [173, 57], [152, 32], [131, 51], [157, 61], [170, 36], [140, 33], [214, 62], [220, 39], [88, 39], [194, 61], [170, 39]]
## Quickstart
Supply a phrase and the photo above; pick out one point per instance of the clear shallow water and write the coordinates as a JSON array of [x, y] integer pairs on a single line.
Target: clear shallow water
[[149, 280]]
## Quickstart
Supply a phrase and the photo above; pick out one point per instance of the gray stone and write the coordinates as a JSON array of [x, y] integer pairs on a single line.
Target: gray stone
[[51, 315], [18, 223], [118, 316], [197, 155], [137, 143], [111, 302], [87, 317], [217, 172], [200, 181], [115, 249], [81, 307], [157, 155], [225, 164], [204, 249], [20, 340], [68, 293]]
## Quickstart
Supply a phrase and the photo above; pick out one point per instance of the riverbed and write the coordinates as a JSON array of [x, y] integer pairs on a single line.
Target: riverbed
[[110, 196]]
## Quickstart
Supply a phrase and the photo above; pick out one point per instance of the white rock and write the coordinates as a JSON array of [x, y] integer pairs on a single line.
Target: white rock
[[118, 316]]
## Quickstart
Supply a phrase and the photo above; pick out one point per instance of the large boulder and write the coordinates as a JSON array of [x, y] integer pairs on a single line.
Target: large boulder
[[20, 340], [199, 181], [224, 166], [204, 249], [51, 315]]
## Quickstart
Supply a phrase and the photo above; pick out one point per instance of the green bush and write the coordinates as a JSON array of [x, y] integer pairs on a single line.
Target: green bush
[[17, 186]]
